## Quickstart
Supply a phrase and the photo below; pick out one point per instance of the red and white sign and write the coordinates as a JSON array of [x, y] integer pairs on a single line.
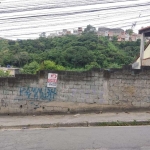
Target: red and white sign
[[52, 80]]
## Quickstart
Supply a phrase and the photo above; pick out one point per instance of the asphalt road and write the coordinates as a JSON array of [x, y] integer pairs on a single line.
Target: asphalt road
[[91, 138]]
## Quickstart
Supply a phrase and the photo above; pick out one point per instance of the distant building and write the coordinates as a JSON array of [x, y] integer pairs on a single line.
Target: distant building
[[106, 33], [80, 30], [123, 37], [68, 33], [60, 33], [118, 32], [75, 32], [134, 37], [102, 31], [12, 71], [64, 31], [109, 32], [52, 35]]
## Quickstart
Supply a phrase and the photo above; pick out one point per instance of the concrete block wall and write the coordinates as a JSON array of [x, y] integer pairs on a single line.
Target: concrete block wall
[[11, 100], [129, 87], [82, 87], [28, 94]]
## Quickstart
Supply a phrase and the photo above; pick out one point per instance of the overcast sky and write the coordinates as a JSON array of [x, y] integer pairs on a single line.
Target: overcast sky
[[27, 19]]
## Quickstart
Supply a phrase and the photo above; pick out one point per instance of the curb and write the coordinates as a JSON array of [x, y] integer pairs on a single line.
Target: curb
[[84, 110], [79, 124]]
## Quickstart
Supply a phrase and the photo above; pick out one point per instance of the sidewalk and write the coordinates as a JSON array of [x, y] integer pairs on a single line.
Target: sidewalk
[[10, 122]]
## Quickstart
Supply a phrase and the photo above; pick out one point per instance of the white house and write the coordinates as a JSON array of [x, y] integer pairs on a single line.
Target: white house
[[144, 58]]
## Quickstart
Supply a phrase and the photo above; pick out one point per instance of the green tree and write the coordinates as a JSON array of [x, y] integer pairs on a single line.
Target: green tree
[[68, 52], [50, 65], [129, 31], [31, 68], [43, 34], [92, 65], [89, 28], [78, 56], [4, 73]]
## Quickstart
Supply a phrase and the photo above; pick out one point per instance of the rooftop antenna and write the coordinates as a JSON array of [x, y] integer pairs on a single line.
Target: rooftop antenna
[[134, 24]]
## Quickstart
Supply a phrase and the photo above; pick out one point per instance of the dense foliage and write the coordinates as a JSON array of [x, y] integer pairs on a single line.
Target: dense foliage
[[4, 73], [68, 52]]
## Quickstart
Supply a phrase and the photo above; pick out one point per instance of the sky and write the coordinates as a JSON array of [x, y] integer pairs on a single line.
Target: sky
[[27, 19]]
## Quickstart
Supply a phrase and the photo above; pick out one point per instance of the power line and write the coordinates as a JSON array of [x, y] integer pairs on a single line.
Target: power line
[[33, 33], [48, 7], [18, 2], [55, 24], [76, 12], [5, 2], [66, 2], [72, 3], [64, 17]]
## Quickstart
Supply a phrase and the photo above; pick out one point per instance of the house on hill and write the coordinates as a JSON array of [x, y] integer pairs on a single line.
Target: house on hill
[[144, 58], [119, 33], [103, 31]]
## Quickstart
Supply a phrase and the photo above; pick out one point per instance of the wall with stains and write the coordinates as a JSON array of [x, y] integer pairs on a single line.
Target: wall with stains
[[28, 94], [129, 87]]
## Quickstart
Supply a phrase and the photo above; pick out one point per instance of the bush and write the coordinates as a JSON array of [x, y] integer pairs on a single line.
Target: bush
[[50, 65], [4, 73]]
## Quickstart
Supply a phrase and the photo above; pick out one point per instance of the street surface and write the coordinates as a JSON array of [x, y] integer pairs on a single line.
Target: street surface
[[91, 138]]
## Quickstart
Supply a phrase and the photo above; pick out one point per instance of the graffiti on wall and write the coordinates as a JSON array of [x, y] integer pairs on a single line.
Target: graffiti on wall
[[35, 93]]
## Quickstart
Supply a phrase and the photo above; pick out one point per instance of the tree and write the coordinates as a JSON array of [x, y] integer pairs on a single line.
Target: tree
[[78, 56], [43, 34], [129, 31], [89, 28], [4, 73], [50, 65], [92, 65], [70, 51], [31, 68], [20, 59], [114, 39]]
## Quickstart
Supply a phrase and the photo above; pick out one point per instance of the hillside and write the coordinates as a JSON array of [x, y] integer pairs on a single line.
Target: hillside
[[69, 52]]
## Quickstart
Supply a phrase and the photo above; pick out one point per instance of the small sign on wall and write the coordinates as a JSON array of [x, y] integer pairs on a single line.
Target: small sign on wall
[[52, 80]]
